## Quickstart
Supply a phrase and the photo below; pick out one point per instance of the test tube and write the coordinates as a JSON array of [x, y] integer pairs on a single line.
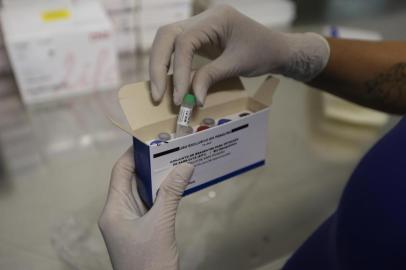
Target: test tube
[[187, 130], [210, 122], [201, 128], [185, 113], [223, 121], [244, 114], [164, 136], [156, 142]]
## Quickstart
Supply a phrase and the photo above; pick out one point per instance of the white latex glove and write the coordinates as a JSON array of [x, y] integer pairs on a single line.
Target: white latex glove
[[137, 238], [246, 48]]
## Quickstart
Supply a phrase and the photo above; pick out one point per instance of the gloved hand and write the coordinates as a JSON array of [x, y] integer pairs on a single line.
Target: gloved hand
[[137, 238], [247, 49]]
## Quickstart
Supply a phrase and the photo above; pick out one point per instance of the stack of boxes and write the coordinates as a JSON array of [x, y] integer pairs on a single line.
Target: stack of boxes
[[156, 13], [55, 45], [123, 16], [137, 21], [60, 49], [272, 13]]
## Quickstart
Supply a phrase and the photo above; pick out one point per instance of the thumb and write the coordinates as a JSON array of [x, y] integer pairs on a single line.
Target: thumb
[[171, 190], [122, 175], [219, 69]]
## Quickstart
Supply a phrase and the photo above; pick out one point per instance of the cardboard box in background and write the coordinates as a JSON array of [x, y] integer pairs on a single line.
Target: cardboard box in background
[[13, 3], [123, 19], [60, 51], [218, 153], [126, 41], [137, 21], [271, 13], [118, 5], [154, 14], [125, 22]]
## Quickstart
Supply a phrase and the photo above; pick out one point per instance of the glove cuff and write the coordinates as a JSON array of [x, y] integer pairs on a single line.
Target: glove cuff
[[309, 55]]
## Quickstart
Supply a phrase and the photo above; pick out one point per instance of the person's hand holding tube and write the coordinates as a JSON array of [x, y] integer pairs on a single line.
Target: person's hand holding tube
[[246, 48], [137, 238]]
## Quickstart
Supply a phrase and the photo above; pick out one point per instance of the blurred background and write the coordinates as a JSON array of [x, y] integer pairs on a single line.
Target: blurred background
[[61, 65]]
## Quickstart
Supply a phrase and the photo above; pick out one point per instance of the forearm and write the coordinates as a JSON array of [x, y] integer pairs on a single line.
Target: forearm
[[372, 74]]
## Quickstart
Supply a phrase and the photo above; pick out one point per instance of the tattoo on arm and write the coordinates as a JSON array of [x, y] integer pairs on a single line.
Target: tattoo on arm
[[389, 88]]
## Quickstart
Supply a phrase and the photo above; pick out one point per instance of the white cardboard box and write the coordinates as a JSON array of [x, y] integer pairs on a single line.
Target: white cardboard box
[[60, 51], [151, 18], [167, 14], [10, 3], [126, 41], [125, 27], [271, 13], [218, 153], [126, 19], [118, 5], [157, 4]]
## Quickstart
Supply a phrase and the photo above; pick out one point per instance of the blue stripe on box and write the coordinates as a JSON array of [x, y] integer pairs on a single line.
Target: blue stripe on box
[[143, 171], [224, 177]]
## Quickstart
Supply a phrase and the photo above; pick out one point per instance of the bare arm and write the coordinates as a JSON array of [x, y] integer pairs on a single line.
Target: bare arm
[[372, 74]]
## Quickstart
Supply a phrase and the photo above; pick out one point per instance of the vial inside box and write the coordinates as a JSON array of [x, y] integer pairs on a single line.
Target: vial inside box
[[164, 137], [231, 111]]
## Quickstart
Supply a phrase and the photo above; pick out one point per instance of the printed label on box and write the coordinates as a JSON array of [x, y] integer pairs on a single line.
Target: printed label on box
[[215, 152]]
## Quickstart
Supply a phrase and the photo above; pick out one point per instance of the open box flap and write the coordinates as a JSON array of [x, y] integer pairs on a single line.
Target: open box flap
[[140, 110], [121, 126], [265, 92]]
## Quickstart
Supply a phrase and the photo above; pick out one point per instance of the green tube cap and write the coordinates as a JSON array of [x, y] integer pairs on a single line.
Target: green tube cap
[[189, 99]]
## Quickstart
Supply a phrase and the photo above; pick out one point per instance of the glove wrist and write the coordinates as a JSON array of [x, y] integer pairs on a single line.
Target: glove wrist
[[308, 56]]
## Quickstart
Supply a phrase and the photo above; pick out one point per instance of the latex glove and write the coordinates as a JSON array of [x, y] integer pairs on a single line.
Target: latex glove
[[247, 49], [135, 238]]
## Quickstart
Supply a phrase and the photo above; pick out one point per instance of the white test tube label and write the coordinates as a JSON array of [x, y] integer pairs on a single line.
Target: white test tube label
[[184, 116]]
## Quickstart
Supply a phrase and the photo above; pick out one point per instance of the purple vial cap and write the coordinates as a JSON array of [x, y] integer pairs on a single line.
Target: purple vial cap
[[156, 142], [223, 121]]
